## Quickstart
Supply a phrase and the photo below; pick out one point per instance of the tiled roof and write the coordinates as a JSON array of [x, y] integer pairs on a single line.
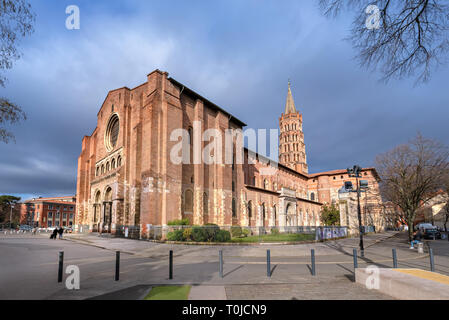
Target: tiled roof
[[336, 172]]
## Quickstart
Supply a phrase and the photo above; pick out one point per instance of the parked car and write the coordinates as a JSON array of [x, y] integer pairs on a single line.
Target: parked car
[[431, 233], [68, 230], [423, 226]]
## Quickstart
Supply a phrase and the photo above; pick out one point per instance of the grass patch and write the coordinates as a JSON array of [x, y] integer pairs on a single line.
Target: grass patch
[[282, 237], [168, 293]]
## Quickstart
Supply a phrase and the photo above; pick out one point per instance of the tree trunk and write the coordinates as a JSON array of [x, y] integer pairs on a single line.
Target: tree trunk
[[410, 229]]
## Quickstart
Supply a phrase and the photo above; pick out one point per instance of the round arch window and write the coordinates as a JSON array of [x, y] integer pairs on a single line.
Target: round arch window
[[112, 131]]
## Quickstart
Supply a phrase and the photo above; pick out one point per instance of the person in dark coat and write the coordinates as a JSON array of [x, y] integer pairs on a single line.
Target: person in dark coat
[[60, 231], [54, 233]]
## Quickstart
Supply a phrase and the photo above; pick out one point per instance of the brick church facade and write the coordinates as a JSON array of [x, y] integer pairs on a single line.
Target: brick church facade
[[126, 176]]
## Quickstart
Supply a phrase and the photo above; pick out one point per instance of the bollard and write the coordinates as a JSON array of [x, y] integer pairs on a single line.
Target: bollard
[[395, 259], [312, 256], [432, 264], [420, 247], [268, 264], [117, 265], [220, 268], [170, 265], [354, 255], [61, 262]]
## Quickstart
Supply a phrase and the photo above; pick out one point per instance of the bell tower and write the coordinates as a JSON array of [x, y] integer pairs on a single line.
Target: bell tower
[[292, 150]]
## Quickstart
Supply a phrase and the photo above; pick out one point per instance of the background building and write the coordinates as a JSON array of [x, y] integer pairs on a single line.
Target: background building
[[48, 212]]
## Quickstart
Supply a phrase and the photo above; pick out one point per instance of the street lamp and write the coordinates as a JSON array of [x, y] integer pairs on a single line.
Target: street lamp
[[355, 173], [10, 216]]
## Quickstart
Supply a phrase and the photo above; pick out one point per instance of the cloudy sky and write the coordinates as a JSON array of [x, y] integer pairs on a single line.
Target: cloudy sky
[[239, 54]]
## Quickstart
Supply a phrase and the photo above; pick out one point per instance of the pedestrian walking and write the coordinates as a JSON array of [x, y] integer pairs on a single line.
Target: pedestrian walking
[[54, 233], [60, 231]]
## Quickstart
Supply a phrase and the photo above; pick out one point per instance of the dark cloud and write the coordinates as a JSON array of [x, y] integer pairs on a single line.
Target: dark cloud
[[238, 54]]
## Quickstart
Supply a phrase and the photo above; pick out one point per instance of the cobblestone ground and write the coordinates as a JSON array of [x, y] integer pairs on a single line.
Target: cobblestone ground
[[338, 288]]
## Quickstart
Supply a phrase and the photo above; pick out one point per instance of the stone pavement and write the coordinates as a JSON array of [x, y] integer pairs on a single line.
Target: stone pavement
[[145, 263], [154, 250], [207, 293]]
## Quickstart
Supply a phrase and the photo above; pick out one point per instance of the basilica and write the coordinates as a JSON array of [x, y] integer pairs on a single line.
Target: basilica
[[126, 176]]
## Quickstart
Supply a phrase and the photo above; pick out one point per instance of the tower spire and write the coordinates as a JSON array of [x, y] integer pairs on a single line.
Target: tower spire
[[289, 104]]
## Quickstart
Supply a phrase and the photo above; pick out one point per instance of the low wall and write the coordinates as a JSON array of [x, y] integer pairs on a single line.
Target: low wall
[[405, 284]]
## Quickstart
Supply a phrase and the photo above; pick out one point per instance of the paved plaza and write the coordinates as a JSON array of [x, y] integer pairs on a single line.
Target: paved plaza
[[29, 267]]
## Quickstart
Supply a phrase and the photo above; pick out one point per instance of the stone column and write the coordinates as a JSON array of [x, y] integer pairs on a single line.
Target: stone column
[[282, 215], [198, 166], [272, 219]]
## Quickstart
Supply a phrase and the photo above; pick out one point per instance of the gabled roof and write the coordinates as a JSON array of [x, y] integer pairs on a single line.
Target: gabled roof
[[207, 102]]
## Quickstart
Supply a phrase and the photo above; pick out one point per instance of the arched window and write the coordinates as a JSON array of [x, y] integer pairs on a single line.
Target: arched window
[[250, 209], [102, 168], [108, 195], [113, 164], [119, 161], [205, 203], [234, 208], [188, 201], [97, 207], [190, 130], [274, 214], [233, 186], [112, 132], [265, 184], [312, 196], [98, 171], [108, 167]]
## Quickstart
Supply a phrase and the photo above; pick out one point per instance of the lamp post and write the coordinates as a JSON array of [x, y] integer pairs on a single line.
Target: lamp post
[[10, 216], [355, 173]]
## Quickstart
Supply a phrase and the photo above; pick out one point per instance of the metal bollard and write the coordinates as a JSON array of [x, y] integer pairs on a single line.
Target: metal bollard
[[354, 255], [432, 264], [170, 265], [220, 268], [117, 265], [268, 264], [61, 262], [312, 256], [395, 258]]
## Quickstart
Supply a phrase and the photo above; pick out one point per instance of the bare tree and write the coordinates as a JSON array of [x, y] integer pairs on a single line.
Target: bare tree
[[446, 206], [411, 174], [411, 39], [16, 20]]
